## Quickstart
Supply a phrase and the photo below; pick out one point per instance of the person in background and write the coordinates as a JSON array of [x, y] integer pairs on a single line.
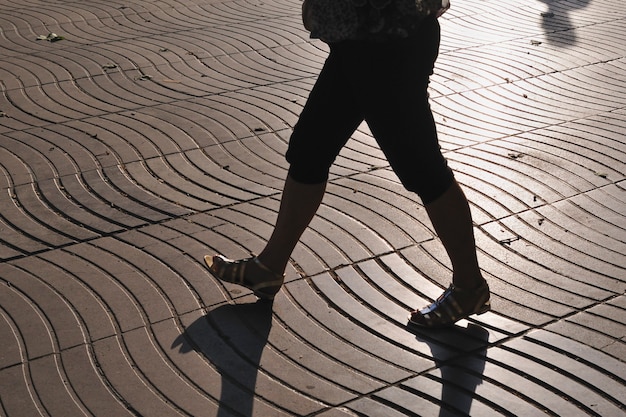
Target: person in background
[[382, 53]]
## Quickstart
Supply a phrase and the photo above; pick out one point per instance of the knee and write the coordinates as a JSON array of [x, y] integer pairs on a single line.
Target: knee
[[432, 187], [308, 173]]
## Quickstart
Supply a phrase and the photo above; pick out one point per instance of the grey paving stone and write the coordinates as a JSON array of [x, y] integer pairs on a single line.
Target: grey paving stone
[[179, 283], [134, 272], [26, 316], [515, 300], [239, 364], [16, 392], [185, 354], [566, 260], [11, 354], [582, 352], [397, 216], [581, 378], [337, 412], [89, 385], [125, 195], [81, 262], [408, 403], [60, 200], [598, 323], [154, 133], [319, 361], [619, 301], [84, 205], [64, 327], [117, 367], [374, 408], [616, 349], [351, 306], [85, 304], [38, 157], [463, 384], [353, 336], [151, 357], [535, 393], [176, 189], [49, 382], [572, 226], [331, 347], [454, 394], [590, 337], [59, 231]]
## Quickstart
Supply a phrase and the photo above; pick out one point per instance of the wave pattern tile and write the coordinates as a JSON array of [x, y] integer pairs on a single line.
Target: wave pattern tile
[[153, 133]]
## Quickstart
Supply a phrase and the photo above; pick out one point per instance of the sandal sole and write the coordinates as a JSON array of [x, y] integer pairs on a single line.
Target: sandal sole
[[485, 308]]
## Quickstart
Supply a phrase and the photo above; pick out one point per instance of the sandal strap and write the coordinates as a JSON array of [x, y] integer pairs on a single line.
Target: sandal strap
[[232, 271], [446, 308], [452, 306], [278, 278]]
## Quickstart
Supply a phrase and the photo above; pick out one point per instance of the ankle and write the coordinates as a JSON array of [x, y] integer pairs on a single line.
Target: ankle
[[469, 283], [271, 264]]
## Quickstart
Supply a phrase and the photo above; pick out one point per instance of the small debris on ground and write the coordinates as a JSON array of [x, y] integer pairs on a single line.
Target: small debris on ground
[[50, 37], [515, 155]]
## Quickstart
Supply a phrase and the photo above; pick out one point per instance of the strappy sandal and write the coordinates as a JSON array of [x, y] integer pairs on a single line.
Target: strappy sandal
[[237, 272], [453, 305]]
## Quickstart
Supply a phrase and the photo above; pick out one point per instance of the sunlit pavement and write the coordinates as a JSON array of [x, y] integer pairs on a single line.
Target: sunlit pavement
[[138, 136]]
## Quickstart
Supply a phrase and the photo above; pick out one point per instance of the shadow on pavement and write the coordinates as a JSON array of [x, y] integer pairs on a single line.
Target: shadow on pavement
[[232, 338], [556, 21], [458, 373]]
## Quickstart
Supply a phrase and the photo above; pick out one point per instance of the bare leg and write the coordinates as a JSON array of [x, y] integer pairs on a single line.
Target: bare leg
[[264, 274], [450, 215], [469, 294], [298, 205], [452, 220]]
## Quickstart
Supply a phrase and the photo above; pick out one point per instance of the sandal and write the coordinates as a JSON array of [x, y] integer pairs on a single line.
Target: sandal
[[228, 270], [453, 305]]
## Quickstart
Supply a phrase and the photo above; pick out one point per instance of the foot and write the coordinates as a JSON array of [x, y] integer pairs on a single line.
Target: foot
[[249, 273], [453, 305]]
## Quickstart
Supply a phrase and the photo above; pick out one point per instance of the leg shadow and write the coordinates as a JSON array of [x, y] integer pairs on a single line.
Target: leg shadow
[[556, 21], [460, 355], [232, 338]]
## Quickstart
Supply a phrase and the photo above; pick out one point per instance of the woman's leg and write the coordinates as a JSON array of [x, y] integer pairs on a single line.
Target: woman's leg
[[396, 107], [264, 273], [451, 218], [469, 293], [298, 205], [327, 121]]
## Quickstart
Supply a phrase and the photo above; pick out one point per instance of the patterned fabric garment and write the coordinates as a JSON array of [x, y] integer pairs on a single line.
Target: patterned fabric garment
[[338, 20]]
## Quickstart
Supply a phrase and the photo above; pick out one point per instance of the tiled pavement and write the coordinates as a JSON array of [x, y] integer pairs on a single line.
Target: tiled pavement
[[153, 134]]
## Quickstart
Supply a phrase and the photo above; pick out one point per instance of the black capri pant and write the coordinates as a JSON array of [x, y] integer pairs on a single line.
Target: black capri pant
[[385, 84]]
